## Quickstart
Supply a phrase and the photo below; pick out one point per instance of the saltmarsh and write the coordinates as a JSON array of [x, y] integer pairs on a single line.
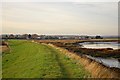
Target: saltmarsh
[[32, 60]]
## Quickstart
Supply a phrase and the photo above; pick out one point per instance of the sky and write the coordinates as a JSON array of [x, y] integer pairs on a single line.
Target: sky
[[57, 18]]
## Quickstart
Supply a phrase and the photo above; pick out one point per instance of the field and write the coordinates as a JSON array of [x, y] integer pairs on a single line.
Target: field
[[27, 59]]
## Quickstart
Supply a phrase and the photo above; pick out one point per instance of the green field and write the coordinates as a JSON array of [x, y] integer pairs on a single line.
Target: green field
[[32, 60]]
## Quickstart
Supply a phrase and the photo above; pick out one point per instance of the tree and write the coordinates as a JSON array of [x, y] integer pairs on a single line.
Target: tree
[[11, 36], [29, 36], [99, 37]]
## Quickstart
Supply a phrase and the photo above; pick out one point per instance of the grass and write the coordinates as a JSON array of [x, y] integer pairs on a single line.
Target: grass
[[31, 60]]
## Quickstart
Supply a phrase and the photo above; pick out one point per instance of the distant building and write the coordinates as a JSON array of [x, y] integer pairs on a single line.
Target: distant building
[[24, 36], [4, 36]]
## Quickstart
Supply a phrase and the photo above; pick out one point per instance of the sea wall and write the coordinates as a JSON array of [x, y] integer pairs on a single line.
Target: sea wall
[[96, 69]]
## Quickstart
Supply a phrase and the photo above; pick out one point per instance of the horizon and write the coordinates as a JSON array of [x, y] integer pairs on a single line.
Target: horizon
[[60, 18], [62, 34]]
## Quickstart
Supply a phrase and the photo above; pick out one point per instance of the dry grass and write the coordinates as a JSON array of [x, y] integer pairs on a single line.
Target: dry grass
[[54, 41], [75, 41], [4, 49]]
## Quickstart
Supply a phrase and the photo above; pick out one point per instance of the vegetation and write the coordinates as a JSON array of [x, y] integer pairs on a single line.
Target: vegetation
[[32, 60], [76, 48]]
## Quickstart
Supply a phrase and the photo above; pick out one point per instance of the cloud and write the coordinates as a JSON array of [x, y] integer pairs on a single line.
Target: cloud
[[64, 18]]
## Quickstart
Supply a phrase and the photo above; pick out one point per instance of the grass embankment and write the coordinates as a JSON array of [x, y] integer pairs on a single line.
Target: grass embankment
[[32, 60]]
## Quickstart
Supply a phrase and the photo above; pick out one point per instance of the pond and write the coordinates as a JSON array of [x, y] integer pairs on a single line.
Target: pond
[[97, 45], [110, 62]]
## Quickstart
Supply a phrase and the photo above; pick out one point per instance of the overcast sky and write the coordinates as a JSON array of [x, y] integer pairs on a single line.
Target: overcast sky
[[94, 18]]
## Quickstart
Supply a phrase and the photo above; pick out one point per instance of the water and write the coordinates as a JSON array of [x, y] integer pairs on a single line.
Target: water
[[97, 45], [110, 62]]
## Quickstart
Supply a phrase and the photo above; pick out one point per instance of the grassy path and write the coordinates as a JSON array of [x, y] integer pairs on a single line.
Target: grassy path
[[32, 60]]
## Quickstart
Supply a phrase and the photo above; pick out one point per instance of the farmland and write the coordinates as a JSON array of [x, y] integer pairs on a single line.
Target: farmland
[[27, 59]]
